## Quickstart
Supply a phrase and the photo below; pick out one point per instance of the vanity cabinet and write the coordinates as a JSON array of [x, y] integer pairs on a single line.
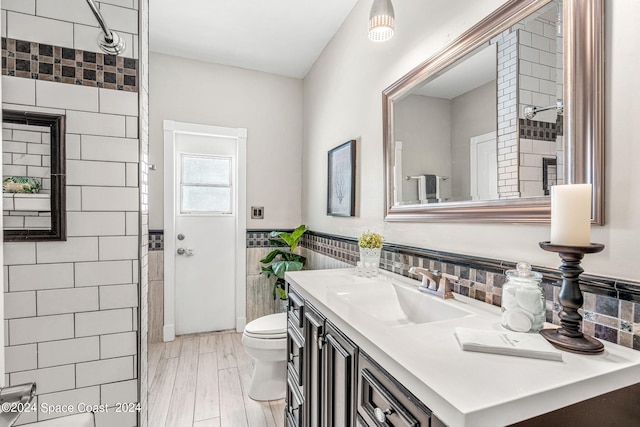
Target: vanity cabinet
[[331, 383]]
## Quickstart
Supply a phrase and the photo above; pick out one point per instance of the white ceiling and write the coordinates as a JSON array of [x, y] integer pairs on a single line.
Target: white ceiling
[[276, 36]]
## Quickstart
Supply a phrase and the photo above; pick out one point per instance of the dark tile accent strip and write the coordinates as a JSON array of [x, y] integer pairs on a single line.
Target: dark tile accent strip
[[537, 130], [156, 240], [260, 238], [41, 61]]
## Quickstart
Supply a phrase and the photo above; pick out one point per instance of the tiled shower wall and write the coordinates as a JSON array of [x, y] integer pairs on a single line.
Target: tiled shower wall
[[611, 308], [71, 308]]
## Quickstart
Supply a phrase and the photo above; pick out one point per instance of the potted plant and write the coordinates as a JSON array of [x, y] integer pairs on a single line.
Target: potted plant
[[279, 261], [370, 244]]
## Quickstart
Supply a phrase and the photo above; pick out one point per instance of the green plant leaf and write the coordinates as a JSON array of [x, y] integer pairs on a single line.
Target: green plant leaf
[[281, 267], [271, 255]]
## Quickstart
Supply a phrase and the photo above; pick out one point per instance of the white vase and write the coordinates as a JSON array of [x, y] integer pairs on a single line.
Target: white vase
[[369, 262]]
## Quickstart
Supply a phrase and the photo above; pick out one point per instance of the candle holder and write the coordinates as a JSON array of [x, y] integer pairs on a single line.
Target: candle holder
[[569, 336]]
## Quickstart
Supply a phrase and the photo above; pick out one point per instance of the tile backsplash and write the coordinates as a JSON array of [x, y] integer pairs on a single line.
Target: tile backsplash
[[611, 307]]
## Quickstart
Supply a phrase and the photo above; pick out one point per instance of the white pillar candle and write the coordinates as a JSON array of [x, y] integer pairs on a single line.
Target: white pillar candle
[[571, 215]]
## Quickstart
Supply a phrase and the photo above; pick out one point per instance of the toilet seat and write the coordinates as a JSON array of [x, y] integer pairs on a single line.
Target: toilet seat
[[272, 326]]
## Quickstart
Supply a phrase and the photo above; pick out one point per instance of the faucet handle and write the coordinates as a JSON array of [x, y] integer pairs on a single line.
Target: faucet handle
[[444, 285], [429, 278]]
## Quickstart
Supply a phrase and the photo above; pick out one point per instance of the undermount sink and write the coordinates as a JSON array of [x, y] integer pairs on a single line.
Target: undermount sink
[[396, 304]]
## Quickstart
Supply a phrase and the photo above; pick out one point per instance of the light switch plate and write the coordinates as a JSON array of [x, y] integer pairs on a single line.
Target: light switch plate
[[257, 212]]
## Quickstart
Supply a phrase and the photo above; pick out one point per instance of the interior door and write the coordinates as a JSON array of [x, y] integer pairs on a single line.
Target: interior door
[[484, 167], [205, 228]]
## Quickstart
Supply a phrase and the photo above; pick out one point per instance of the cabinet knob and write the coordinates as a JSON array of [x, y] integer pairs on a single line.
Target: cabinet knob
[[381, 415]]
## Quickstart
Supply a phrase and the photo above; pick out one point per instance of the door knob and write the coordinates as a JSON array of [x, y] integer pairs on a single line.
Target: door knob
[[181, 251]]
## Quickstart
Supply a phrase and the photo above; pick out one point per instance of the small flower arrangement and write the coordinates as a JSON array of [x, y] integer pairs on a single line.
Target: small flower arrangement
[[370, 240]]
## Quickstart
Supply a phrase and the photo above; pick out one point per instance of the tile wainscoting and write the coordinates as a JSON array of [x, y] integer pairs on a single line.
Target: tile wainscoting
[[611, 307]]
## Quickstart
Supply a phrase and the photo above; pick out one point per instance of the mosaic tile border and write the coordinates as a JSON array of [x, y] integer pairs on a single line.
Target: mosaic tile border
[[543, 131], [41, 61], [156, 240], [611, 309], [260, 238]]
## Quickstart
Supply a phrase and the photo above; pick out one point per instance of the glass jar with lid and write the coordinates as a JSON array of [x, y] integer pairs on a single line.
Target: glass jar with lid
[[523, 303]]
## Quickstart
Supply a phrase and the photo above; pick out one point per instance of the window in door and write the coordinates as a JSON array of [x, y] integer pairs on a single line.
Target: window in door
[[205, 185]]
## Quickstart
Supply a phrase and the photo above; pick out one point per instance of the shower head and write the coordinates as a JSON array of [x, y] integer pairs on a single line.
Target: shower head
[[109, 41]]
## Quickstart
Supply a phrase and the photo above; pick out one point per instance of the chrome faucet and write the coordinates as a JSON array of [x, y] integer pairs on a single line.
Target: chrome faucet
[[435, 283], [15, 399]]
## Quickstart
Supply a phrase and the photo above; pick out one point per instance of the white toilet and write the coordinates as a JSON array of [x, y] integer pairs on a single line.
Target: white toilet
[[265, 340]]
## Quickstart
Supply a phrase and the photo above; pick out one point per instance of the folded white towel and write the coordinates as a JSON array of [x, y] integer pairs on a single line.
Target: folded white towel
[[507, 343]]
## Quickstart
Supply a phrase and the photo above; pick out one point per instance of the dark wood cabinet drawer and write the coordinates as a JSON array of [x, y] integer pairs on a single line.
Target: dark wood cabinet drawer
[[382, 401], [295, 403], [295, 352], [295, 310]]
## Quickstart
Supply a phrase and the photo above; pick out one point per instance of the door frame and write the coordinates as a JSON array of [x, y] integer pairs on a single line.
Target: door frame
[[170, 130]]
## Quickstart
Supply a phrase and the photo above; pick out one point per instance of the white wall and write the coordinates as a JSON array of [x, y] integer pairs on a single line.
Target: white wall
[[268, 105], [423, 124], [342, 96], [471, 115]]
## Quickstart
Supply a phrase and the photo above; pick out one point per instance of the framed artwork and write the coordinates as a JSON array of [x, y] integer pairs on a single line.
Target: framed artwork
[[341, 182]]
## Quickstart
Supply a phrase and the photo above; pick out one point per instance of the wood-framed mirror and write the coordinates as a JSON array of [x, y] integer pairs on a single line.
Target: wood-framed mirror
[[34, 206], [468, 132]]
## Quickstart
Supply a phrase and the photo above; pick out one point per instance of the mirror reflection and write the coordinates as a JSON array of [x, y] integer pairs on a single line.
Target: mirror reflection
[[33, 178], [489, 126]]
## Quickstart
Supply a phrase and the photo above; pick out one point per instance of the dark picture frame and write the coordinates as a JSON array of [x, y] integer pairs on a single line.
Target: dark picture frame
[[341, 180]]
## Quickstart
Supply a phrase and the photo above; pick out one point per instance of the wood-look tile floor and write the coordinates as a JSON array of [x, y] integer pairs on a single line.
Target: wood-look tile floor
[[202, 380]]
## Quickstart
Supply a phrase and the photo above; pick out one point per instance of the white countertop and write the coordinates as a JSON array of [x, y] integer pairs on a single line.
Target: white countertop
[[462, 388]]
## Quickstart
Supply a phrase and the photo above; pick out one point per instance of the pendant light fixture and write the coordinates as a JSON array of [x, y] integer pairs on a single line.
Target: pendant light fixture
[[381, 21]]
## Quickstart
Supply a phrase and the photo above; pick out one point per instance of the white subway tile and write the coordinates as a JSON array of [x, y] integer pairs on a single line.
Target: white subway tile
[[80, 172], [67, 10], [49, 31], [132, 127], [32, 108], [18, 90], [118, 248], [109, 199], [67, 352], [119, 102], [86, 396], [40, 276], [104, 371], [120, 18], [117, 345], [95, 123], [123, 3], [72, 145], [109, 149], [116, 419], [6, 279], [132, 174], [20, 358], [19, 304], [103, 322], [120, 392], [95, 223], [19, 253], [74, 97], [73, 250], [48, 380], [103, 273], [38, 329], [75, 300], [132, 223], [74, 198], [23, 6], [85, 39], [118, 296]]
